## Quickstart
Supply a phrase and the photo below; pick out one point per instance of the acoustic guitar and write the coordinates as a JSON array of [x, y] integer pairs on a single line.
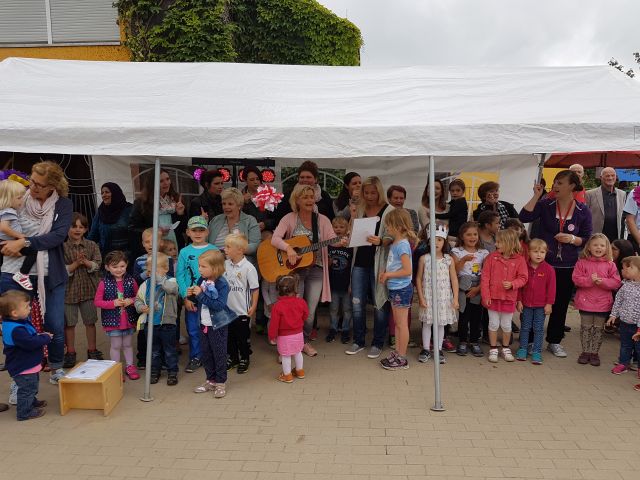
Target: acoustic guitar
[[274, 262]]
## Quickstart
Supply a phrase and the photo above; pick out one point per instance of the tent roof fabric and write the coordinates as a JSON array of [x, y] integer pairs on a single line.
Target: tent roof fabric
[[247, 111]]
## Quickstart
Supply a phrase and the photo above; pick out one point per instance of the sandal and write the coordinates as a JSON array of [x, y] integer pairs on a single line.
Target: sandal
[[220, 390]]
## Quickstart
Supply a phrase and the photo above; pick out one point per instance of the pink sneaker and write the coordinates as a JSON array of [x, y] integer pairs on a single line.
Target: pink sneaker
[[619, 369], [132, 372], [22, 280]]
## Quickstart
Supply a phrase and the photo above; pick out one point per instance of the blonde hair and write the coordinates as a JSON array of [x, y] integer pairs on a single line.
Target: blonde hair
[[163, 261], [9, 190], [587, 254], [148, 232], [372, 181], [299, 191], [538, 244], [632, 260], [340, 221], [400, 220], [234, 194], [215, 259], [509, 242], [54, 175], [237, 240], [165, 244]]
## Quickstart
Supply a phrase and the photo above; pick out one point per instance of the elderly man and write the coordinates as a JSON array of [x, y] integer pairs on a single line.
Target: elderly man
[[579, 170], [607, 204]]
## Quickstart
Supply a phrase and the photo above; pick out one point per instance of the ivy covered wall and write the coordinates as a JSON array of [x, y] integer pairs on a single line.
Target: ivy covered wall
[[252, 31]]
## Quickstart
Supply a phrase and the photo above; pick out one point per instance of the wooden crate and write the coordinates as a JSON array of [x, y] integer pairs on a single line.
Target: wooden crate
[[104, 393]]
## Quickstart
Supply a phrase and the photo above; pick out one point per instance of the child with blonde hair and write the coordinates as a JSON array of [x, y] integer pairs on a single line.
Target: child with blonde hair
[[340, 259], [535, 300], [11, 200], [211, 293], [503, 274], [596, 278], [397, 276]]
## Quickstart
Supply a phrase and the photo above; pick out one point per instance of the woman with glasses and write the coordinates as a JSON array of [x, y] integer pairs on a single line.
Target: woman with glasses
[[489, 193], [45, 218]]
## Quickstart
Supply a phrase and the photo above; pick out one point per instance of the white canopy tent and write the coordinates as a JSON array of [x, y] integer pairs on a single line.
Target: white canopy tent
[[386, 115]]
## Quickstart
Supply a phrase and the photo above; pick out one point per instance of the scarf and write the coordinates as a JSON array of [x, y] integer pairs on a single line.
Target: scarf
[[110, 214], [318, 192], [167, 205], [43, 213]]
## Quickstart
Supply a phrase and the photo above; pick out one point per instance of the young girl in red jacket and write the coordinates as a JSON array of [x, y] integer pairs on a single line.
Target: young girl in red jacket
[[285, 327], [503, 274], [596, 278]]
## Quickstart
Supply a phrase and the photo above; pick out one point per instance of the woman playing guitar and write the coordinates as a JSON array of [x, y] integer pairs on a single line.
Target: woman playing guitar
[[313, 283]]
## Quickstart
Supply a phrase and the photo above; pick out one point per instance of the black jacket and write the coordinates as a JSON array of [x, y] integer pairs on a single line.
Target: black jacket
[[457, 215], [204, 201], [139, 221]]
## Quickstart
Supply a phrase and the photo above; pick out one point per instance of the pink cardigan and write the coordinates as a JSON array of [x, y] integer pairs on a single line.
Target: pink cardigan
[[589, 296], [325, 232]]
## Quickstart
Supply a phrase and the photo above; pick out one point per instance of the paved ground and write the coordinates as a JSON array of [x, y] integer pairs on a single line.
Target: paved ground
[[349, 419]]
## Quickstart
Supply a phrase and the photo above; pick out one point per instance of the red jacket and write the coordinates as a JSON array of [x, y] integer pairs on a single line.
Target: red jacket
[[497, 269], [540, 289], [287, 317], [589, 296]]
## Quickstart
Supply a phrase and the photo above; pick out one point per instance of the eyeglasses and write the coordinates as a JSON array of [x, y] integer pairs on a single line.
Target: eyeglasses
[[493, 194], [33, 183]]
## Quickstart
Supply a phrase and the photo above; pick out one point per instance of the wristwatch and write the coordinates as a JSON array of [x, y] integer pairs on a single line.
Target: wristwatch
[[27, 242]]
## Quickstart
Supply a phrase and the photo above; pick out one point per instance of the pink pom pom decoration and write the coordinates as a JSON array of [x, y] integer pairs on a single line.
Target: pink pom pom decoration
[[266, 198], [636, 195], [198, 173]]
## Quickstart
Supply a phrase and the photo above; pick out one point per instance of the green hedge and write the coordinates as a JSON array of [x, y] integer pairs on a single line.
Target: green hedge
[[253, 31]]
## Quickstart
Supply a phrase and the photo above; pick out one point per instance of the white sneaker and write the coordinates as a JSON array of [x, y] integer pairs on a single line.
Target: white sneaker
[[493, 355], [506, 353], [557, 350], [55, 376], [183, 340], [13, 393], [22, 280]]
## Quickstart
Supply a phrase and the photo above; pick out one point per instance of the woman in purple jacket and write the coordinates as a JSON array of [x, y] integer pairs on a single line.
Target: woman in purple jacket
[[565, 224]]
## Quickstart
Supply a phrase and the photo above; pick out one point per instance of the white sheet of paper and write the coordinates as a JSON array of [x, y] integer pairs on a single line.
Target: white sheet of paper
[[175, 225], [91, 369], [361, 229]]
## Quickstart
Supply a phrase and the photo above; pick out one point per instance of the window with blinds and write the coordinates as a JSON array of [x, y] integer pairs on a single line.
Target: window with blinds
[[58, 21]]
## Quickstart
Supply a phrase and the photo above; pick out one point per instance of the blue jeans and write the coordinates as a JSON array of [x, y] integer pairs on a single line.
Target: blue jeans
[[363, 286], [192, 322], [627, 345], [164, 344], [532, 319], [27, 391], [53, 317], [340, 299]]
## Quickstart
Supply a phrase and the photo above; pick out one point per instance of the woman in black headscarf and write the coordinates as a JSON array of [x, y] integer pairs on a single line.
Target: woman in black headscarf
[[109, 228]]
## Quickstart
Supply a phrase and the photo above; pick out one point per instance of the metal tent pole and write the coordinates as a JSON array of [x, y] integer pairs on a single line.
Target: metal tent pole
[[152, 283], [437, 405]]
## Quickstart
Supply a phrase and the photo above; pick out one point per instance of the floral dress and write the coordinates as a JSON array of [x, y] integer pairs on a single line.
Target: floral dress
[[446, 313]]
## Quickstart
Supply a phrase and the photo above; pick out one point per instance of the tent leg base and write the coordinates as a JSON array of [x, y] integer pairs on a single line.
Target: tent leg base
[[146, 399], [438, 408]]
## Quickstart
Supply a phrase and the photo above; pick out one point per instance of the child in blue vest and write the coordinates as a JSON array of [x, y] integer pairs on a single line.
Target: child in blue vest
[[115, 297], [164, 318], [24, 349]]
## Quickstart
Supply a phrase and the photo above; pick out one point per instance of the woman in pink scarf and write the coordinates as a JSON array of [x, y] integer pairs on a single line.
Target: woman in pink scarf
[[45, 219]]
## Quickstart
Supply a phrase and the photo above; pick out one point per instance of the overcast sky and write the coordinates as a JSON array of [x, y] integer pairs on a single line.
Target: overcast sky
[[494, 32]]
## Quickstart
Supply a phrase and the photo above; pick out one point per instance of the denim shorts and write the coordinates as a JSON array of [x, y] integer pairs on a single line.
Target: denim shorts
[[402, 297], [120, 333]]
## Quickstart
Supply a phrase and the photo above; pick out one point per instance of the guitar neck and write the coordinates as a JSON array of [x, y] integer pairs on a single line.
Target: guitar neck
[[317, 246]]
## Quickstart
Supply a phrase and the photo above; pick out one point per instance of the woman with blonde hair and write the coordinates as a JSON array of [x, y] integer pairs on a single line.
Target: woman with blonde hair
[[234, 220], [369, 261], [45, 218], [313, 282]]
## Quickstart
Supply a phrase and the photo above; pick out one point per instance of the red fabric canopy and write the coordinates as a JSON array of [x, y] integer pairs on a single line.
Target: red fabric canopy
[[595, 159]]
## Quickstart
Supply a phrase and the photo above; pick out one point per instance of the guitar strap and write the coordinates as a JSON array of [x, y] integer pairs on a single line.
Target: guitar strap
[[314, 227]]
